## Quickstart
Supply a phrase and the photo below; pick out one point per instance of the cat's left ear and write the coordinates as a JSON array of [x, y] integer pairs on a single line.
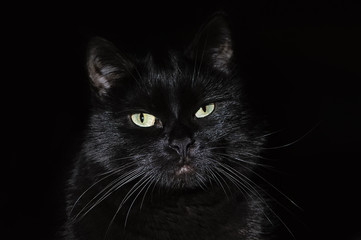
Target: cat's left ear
[[214, 43], [106, 66]]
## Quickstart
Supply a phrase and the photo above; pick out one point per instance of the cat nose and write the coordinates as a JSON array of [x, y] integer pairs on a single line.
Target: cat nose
[[181, 146]]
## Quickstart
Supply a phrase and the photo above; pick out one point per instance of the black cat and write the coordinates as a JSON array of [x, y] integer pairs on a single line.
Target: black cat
[[170, 149]]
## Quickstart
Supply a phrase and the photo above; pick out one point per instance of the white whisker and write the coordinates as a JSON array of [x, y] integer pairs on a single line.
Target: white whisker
[[107, 175], [146, 182], [132, 191], [109, 189], [295, 141], [253, 186]]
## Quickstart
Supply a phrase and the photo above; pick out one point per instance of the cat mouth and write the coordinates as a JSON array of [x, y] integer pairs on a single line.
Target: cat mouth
[[185, 169]]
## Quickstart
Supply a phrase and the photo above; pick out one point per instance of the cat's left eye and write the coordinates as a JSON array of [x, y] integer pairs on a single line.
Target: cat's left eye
[[143, 119], [205, 111]]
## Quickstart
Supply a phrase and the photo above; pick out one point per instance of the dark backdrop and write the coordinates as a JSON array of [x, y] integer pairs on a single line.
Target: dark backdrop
[[302, 66]]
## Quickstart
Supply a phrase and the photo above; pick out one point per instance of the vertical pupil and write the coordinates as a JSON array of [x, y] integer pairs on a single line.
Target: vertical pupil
[[141, 117], [204, 108]]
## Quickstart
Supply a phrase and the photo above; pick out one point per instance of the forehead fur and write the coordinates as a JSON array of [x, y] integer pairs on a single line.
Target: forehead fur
[[174, 82], [179, 75]]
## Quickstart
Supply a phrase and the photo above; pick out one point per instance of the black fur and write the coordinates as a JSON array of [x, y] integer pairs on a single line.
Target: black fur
[[183, 178]]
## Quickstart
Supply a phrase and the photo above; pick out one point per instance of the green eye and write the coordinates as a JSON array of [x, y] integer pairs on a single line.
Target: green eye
[[205, 111], [143, 119]]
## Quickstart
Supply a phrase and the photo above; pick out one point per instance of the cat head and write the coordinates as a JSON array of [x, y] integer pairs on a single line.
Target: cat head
[[178, 120]]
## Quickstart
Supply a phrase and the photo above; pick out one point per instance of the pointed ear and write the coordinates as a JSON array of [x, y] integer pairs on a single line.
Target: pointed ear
[[105, 65], [214, 43]]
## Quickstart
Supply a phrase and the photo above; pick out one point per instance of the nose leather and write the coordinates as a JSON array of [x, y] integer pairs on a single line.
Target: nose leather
[[181, 146]]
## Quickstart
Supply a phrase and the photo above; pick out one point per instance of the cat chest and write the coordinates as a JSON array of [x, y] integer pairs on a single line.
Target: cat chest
[[184, 222]]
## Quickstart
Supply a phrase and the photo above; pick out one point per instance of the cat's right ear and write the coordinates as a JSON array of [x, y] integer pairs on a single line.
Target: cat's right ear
[[214, 43], [105, 65]]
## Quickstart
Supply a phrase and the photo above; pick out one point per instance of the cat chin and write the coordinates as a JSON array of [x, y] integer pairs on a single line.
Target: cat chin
[[185, 169], [186, 180], [184, 185]]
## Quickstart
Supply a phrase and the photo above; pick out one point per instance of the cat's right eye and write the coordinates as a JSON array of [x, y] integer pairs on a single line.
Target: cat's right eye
[[143, 119], [205, 111]]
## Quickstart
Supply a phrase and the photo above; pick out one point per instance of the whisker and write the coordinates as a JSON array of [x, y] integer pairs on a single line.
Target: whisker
[[215, 178], [203, 54], [109, 189], [116, 187], [275, 188], [146, 191], [248, 182], [201, 182], [240, 178], [295, 141], [135, 187], [232, 158], [225, 134], [226, 147], [242, 186], [225, 182], [154, 185], [146, 182], [270, 133], [237, 183], [108, 174], [123, 167], [194, 68], [270, 184], [252, 185]]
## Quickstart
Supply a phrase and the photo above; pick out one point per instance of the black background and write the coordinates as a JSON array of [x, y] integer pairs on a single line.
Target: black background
[[302, 65]]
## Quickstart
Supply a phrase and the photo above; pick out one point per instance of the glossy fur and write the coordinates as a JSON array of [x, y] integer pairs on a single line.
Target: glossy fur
[[185, 177]]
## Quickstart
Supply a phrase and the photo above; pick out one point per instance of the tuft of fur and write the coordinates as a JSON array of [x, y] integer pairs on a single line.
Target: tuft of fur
[[130, 182]]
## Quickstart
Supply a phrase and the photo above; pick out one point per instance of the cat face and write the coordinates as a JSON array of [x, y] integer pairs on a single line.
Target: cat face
[[177, 120]]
